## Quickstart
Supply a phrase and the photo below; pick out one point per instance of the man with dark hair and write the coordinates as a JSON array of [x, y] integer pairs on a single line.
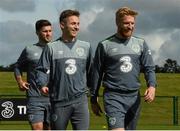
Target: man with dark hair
[[67, 61], [38, 105], [117, 63]]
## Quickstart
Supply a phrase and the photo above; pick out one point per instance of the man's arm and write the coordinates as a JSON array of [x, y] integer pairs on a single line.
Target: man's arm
[[18, 69], [23, 85], [149, 72], [96, 79], [43, 70], [149, 94], [89, 68]]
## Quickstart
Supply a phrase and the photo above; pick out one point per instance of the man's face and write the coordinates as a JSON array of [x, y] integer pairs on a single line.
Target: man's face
[[45, 34], [70, 26], [126, 26]]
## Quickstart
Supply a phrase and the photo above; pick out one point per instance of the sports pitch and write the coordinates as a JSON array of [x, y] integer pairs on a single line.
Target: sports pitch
[[155, 116]]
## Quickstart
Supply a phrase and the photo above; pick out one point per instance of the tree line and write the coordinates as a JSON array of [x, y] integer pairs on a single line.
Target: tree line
[[170, 66]]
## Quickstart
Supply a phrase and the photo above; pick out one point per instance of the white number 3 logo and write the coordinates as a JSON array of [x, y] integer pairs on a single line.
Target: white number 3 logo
[[126, 64], [71, 66]]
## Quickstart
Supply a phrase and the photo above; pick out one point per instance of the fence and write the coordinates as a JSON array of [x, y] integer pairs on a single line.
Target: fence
[[163, 111]]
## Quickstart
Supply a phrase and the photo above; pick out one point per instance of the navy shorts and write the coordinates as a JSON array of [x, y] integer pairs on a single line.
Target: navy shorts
[[121, 111], [38, 111]]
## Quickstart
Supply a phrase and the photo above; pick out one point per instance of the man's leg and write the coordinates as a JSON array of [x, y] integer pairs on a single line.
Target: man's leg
[[115, 108], [46, 123], [46, 126], [132, 115], [80, 115], [36, 114], [37, 126], [60, 117], [40, 126]]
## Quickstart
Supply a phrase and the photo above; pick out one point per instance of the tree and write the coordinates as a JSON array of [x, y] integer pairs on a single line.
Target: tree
[[7, 68], [158, 69], [171, 66]]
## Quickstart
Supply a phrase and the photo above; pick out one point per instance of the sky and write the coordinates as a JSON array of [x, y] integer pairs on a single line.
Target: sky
[[158, 22]]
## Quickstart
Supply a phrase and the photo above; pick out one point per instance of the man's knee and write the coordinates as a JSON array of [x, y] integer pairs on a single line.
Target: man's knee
[[37, 126]]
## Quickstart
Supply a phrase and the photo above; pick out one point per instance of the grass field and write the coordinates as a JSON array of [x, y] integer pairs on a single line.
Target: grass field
[[155, 116]]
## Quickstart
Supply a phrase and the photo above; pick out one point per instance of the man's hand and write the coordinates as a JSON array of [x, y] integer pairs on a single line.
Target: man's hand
[[23, 85], [45, 90], [149, 94], [96, 107]]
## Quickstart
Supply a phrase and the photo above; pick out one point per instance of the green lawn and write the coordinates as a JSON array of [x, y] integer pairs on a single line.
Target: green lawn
[[155, 116]]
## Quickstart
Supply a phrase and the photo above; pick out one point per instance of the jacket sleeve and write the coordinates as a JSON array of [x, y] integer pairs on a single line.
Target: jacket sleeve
[[89, 64], [97, 72], [148, 66], [21, 63], [43, 68]]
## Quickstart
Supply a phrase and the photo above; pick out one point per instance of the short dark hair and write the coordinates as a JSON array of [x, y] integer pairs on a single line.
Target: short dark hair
[[40, 23], [68, 13]]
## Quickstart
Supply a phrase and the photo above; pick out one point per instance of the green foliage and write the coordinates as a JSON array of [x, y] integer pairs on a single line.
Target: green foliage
[[157, 115]]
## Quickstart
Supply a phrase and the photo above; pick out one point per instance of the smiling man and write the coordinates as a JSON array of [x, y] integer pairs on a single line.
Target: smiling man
[[117, 63], [66, 63]]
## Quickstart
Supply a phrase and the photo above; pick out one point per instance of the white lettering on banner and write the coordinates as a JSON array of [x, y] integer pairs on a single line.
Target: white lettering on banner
[[22, 109]]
